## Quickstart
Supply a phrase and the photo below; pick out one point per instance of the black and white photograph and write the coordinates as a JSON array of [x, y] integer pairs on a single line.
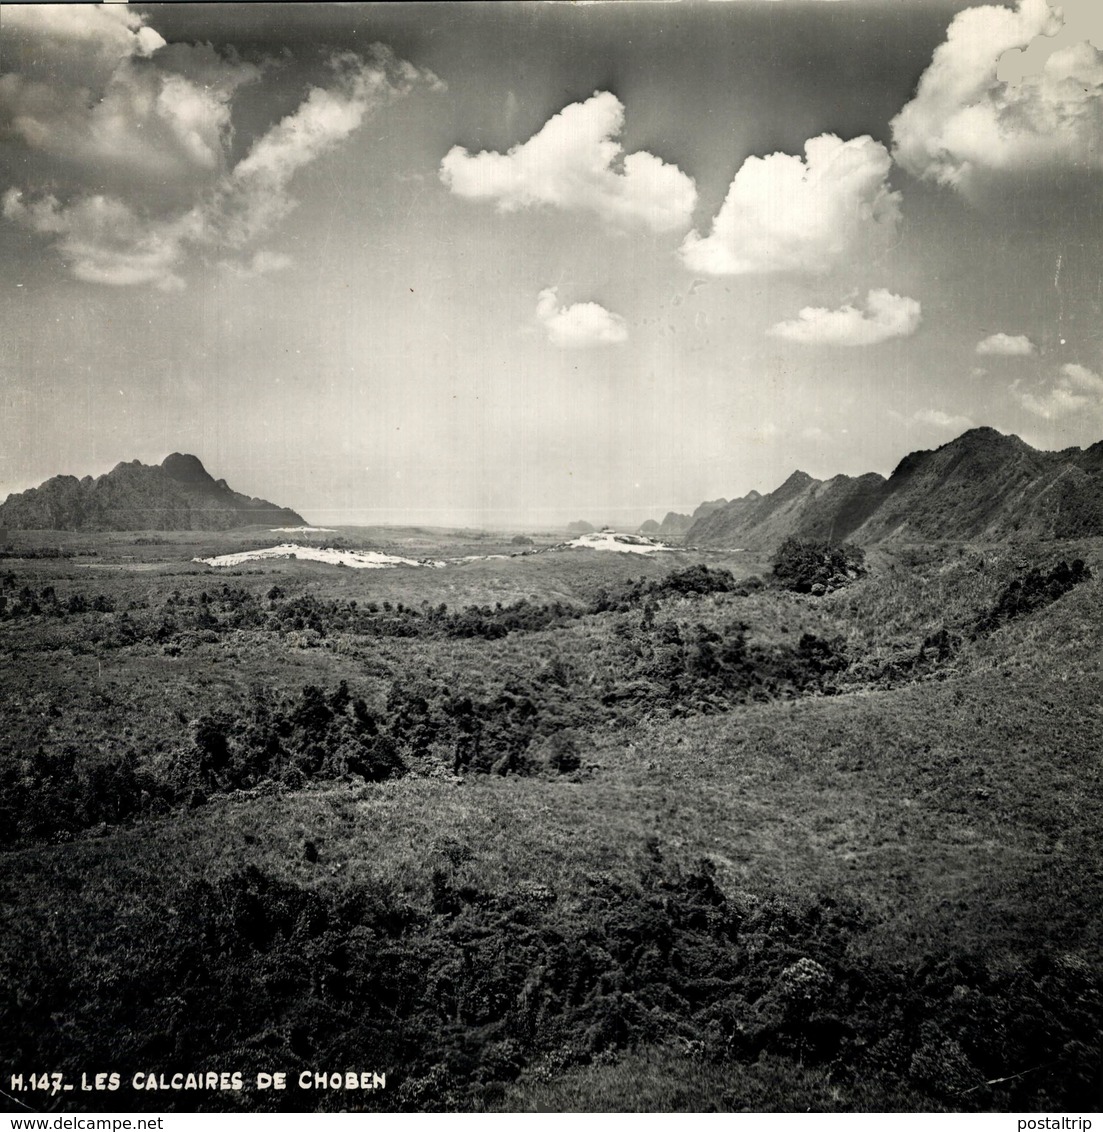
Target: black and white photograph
[[550, 558]]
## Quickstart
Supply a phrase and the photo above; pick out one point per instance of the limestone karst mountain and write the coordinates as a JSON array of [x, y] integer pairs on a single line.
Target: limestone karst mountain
[[983, 485], [675, 525], [176, 495]]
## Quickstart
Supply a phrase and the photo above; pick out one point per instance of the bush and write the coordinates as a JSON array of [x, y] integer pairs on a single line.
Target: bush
[[563, 754], [811, 566], [1034, 590]]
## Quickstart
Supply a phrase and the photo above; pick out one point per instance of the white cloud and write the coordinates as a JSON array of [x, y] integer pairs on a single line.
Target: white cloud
[[1076, 389], [575, 162], [969, 128], [886, 316], [785, 213], [102, 241], [580, 325], [254, 196], [111, 31], [1007, 345], [1059, 401], [939, 419], [158, 136], [1082, 378], [198, 118], [109, 102]]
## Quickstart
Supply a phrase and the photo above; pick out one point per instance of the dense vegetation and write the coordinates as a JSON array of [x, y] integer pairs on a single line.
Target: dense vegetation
[[812, 566], [1034, 590], [468, 990], [498, 846], [521, 720]]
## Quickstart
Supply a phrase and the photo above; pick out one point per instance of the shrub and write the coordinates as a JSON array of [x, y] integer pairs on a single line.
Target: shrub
[[212, 742], [563, 753]]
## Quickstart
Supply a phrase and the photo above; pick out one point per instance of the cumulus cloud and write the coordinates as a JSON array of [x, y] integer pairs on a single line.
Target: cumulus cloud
[[580, 325], [87, 32], [575, 162], [103, 241], [1007, 345], [150, 124], [787, 213], [938, 419], [1059, 401], [103, 98], [1077, 388], [970, 128], [885, 316]]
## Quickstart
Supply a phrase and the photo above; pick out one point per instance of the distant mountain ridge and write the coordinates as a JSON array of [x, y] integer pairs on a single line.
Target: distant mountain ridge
[[675, 524], [983, 485], [178, 494]]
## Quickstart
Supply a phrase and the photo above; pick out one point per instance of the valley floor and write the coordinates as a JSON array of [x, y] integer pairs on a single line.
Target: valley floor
[[560, 832]]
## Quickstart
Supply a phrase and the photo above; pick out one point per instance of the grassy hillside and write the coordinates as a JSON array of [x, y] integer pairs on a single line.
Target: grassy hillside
[[696, 842]]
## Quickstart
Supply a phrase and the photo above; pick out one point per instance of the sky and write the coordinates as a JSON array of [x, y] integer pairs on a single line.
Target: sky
[[516, 264]]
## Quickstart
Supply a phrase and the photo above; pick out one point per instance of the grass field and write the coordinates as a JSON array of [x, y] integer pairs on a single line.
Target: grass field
[[606, 847]]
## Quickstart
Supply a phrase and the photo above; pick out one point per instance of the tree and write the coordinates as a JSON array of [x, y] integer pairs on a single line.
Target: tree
[[812, 566]]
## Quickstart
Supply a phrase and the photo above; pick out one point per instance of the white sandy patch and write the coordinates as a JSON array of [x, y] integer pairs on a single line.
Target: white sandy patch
[[611, 540], [302, 530], [357, 559]]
